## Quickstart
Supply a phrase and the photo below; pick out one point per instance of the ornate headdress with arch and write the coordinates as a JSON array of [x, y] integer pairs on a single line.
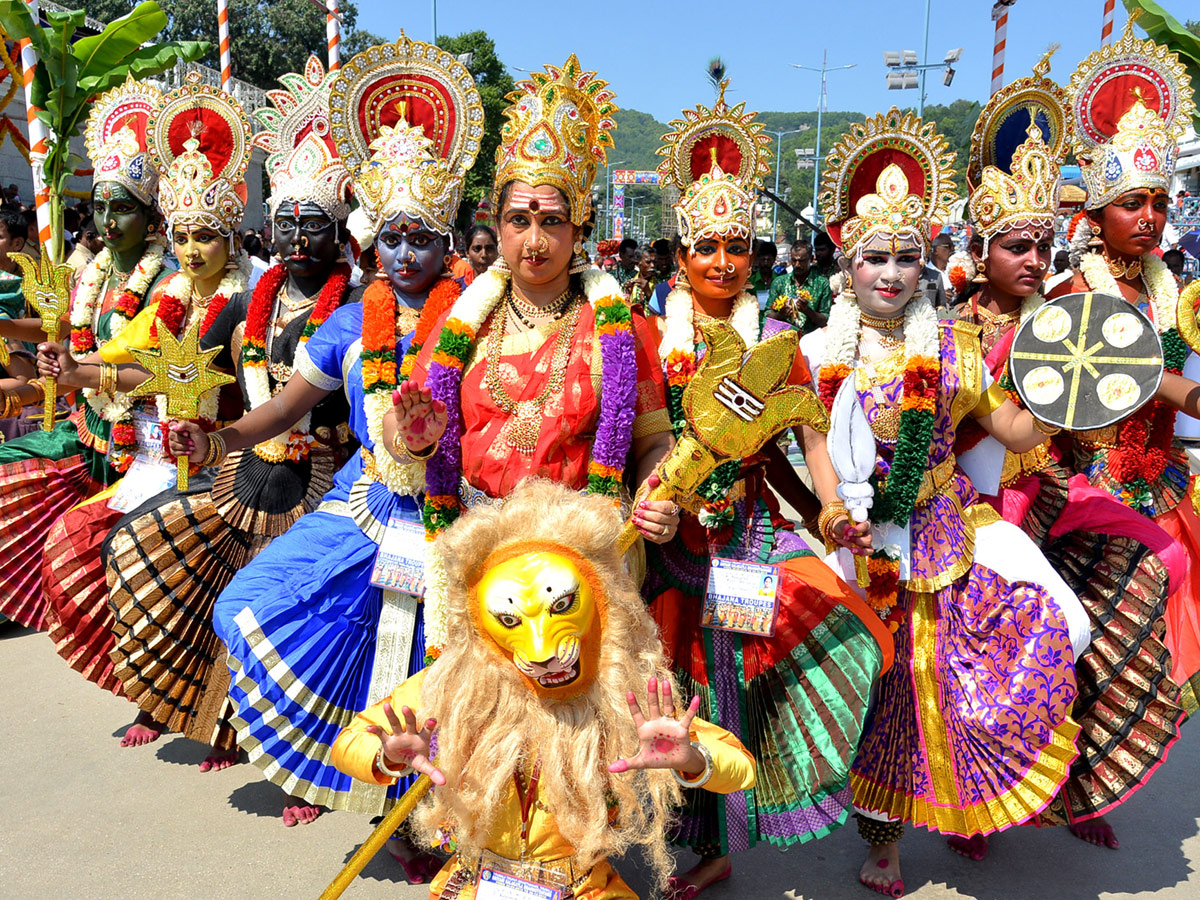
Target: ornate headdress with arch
[[557, 131], [199, 139], [302, 161], [1020, 140], [1131, 101], [116, 138], [717, 158], [892, 174], [407, 120]]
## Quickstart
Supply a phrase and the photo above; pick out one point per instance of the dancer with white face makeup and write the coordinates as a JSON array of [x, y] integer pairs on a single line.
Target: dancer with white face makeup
[[970, 733]]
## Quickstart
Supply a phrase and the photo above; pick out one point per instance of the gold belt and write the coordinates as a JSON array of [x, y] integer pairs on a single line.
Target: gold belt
[[694, 503], [1018, 464], [1099, 438], [936, 479]]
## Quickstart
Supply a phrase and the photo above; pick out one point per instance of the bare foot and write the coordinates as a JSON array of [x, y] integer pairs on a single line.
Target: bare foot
[[419, 865], [702, 875], [300, 814], [218, 760], [881, 871], [975, 847], [144, 730], [1096, 831]]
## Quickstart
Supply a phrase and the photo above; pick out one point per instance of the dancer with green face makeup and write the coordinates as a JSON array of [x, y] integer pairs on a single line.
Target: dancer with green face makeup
[[45, 473]]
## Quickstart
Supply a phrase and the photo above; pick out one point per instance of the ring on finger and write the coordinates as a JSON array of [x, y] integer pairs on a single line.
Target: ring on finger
[[665, 529]]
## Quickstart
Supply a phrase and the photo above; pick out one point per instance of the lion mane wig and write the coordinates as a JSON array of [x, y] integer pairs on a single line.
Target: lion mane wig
[[490, 724]]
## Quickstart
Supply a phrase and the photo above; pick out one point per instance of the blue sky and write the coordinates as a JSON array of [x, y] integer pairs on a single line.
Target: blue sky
[[654, 53]]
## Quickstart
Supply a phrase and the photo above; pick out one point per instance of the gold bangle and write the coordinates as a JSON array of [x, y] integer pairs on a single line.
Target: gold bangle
[[400, 448], [10, 405], [39, 386], [216, 450], [830, 513], [1045, 428], [108, 378]]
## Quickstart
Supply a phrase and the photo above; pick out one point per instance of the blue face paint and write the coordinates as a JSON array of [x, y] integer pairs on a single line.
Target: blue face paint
[[410, 255]]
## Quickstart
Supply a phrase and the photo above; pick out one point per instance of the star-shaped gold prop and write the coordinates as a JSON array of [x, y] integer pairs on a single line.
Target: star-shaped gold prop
[[183, 373], [734, 404], [47, 289]]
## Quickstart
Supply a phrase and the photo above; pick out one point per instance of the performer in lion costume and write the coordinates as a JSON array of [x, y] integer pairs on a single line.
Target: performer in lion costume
[[541, 753]]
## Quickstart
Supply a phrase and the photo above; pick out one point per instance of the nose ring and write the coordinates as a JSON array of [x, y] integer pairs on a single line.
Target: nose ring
[[412, 257], [730, 268], [542, 246]]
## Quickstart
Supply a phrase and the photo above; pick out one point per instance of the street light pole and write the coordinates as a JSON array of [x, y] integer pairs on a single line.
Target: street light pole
[[924, 61], [825, 68], [778, 160], [433, 18]]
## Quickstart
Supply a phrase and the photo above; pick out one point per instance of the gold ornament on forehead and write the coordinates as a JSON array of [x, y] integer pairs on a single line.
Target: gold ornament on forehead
[[183, 373], [47, 290]]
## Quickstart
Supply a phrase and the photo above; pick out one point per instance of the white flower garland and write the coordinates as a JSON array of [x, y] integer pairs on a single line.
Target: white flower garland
[[85, 310], [1164, 292], [478, 302], [845, 328], [679, 330], [234, 280]]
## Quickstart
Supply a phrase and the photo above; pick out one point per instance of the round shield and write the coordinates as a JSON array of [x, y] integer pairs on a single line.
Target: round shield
[[1086, 360]]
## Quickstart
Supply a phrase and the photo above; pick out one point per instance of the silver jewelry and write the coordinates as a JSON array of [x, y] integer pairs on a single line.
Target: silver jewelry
[[699, 782], [382, 766]]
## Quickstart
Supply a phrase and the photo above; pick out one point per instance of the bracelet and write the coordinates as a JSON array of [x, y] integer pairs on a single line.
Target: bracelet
[[830, 513], [216, 450], [400, 448], [702, 780], [12, 405], [108, 378], [1045, 428], [39, 386], [382, 766]]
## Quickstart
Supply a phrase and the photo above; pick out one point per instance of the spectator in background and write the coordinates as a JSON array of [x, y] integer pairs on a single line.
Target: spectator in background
[[32, 247], [70, 227], [1062, 262], [482, 251], [87, 245], [13, 231], [12, 195], [939, 258], [627, 258], [765, 254], [257, 255], [1174, 260], [640, 288], [801, 296], [824, 256], [664, 262]]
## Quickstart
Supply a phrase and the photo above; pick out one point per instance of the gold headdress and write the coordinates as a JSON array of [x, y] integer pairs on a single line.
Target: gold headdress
[[892, 174], [1019, 142], [556, 132], [116, 138], [717, 158], [1131, 102], [199, 139], [406, 119], [302, 161]]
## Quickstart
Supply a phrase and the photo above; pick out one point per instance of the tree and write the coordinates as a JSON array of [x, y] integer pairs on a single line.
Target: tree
[[494, 83], [71, 73], [268, 37]]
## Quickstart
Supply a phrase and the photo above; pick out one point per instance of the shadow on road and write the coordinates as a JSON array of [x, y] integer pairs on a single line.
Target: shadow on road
[[259, 798]]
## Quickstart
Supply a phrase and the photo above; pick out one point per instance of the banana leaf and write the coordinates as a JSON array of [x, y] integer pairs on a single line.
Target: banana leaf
[[1163, 28]]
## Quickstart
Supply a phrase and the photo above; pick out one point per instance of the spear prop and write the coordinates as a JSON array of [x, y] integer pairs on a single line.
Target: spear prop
[[183, 373], [47, 289]]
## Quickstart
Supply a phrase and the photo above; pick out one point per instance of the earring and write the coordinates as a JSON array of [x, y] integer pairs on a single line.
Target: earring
[[980, 275], [578, 248], [1095, 243]]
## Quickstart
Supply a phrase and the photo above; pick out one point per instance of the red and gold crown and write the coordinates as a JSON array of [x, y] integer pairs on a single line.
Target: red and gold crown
[[199, 139], [892, 174], [1131, 102], [116, 138], [407, 120], [717, 158], [1018, 145], [302, 160], [557, 131]]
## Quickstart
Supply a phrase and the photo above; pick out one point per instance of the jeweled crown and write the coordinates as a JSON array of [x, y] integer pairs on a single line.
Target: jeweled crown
[[1018, 145], [1131, 103], [403, 176], [556, 132], [716, 158], [199, 138], [892, 174], [302, 161], [116, 139]]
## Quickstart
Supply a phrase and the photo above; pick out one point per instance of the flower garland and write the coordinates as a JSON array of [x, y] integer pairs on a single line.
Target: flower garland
[[918, 399], [1144, 439], [451, 352], [380, 336], [677, 350], [295, 443]]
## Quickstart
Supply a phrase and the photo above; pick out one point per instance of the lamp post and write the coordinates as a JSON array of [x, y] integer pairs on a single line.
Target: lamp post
[[904, 72], [825, 68], [779, 135]]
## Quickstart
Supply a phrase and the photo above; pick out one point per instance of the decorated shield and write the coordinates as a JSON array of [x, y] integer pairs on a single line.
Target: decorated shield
[[1086, 360]]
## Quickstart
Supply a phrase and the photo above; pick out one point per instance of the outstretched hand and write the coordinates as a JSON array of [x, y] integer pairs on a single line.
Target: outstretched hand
[[664, 741], [419, 418], [404, 745]]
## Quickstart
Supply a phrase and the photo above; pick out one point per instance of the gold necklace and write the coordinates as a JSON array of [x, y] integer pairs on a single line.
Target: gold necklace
[[295, 305], [524, 426], [887, 329], [1123, 269], [555, 308]]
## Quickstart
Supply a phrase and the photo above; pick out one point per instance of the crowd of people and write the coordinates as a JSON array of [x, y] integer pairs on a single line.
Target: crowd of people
[[467, 519]]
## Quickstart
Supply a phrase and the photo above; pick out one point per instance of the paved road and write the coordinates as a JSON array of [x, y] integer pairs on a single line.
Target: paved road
[[86, 819]]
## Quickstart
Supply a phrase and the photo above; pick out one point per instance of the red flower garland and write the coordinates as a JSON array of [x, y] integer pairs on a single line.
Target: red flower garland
[[439, 301]]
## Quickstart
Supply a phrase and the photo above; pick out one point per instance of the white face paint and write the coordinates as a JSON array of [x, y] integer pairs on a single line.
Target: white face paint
[[886, 274]]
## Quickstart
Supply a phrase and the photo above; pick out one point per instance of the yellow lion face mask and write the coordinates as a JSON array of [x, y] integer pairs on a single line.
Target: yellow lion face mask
[[538, 606]]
